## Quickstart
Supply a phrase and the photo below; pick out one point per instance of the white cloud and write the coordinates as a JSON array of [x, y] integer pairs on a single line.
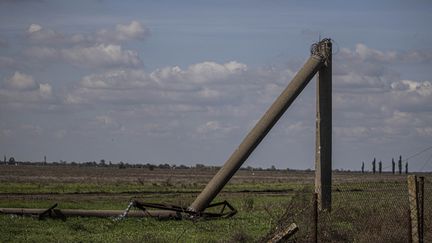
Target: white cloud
[[202, 83], [102, 55], [196, 77], [37, 33], [135, 30], [206, 71], [132, 31], [222, 97], [73, 99], [21, 88], [215, 128], [422, 88], [297, 128], [20, 81], [363, 53], [371, 103], [200, 73], [215, 100], [34, 28], [117, 79], [424, 131], [45, 90]]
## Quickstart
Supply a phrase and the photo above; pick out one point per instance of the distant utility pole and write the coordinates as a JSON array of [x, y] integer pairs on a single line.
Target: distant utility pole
[[373, 165], [400, 164], [4, 160], [393, 166], [362, 167], [406, 167], [380, 167], [45, 159]]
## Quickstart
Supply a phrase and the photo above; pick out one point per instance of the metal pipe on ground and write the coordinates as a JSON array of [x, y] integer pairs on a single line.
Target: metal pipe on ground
[[257, 134]]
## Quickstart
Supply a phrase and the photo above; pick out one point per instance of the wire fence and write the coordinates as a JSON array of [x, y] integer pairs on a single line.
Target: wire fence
[[427, 230], [362, 211]]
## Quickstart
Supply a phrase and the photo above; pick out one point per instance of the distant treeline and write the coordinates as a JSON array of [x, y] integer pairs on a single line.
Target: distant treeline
[[124, 165], [149, 166]]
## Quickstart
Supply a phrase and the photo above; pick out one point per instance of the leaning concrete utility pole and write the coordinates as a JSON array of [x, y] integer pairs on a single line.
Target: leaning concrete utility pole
[[257, 134], [323, 140]]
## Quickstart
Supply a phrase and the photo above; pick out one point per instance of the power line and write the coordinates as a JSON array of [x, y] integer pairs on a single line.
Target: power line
[[427, 161], [418, 153]]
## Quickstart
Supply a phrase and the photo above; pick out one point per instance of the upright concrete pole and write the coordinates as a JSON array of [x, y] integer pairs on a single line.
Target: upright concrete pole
[[323, 148], [257, 134]]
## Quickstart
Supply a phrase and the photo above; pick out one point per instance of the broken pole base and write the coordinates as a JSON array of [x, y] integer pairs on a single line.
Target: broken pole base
[[284, 233]]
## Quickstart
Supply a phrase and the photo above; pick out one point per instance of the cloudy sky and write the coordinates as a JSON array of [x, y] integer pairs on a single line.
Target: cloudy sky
[[183, 81]]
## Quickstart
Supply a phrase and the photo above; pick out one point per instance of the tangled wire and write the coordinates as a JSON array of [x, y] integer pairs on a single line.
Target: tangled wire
[[318, 48]]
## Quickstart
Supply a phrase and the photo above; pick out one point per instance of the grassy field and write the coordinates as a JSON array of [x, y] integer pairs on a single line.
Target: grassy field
[[362, 203]]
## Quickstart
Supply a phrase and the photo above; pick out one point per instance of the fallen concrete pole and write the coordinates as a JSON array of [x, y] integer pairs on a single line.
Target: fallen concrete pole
[[91, 213], [257, 134]]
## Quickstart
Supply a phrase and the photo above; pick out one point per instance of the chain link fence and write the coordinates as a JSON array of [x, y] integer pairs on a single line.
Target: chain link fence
[[363, 210], [427, 229]]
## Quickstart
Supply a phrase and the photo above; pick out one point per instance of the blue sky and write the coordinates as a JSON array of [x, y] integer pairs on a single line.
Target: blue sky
[[183, 81]]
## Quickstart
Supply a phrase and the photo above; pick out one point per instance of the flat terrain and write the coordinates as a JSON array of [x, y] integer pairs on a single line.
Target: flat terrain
[[261, 197]]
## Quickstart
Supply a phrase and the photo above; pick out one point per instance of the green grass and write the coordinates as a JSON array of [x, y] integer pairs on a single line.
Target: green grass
[[252, 220], [19, 229], [362, 211], [132, 187]]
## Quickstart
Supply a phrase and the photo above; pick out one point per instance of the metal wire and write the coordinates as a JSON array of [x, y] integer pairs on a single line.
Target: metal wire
[[418, 153], [126, 212], [316, 48]]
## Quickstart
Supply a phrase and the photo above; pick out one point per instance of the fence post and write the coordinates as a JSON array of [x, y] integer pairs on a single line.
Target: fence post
[[414, 209], [421, 208], [315, 217]]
